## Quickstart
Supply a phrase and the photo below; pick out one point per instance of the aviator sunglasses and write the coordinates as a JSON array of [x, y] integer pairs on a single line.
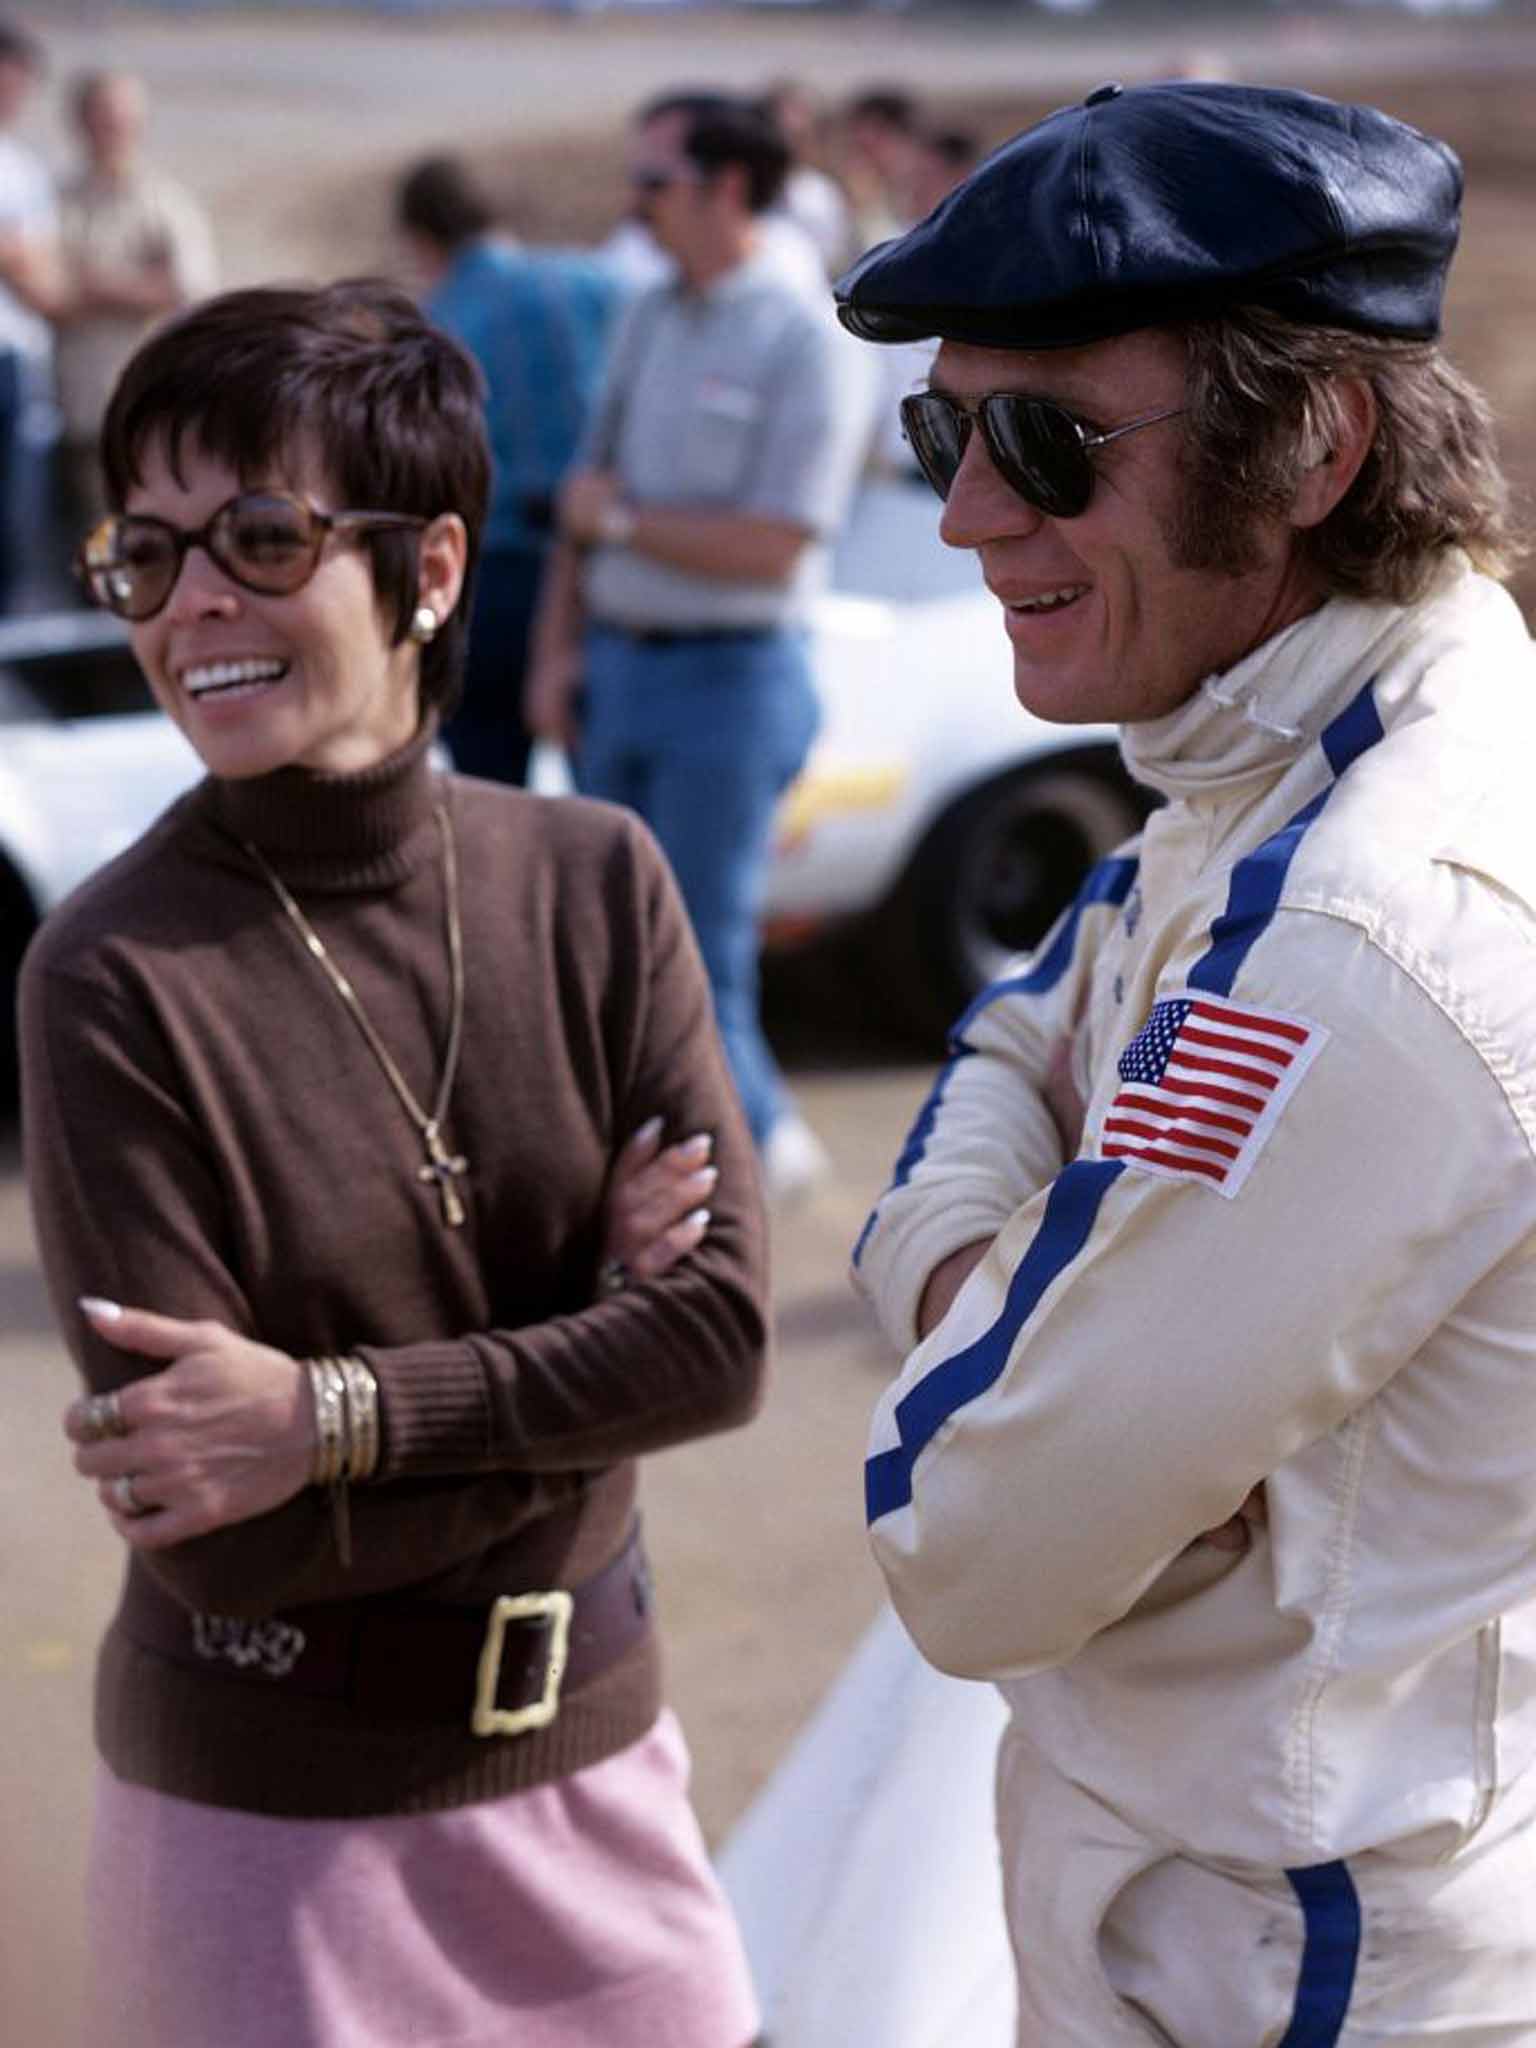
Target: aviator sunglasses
[[1039, 449], [265, 541]]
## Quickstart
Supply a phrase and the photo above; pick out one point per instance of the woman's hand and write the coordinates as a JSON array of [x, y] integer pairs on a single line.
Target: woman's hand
[[223, 1432], [657, 1201]]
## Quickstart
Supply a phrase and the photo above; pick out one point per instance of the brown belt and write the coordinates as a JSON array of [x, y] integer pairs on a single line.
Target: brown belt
[[501, 1666]]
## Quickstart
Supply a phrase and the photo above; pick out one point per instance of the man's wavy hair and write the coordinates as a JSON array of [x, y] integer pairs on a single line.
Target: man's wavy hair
[[350, 374], [1264, 405]]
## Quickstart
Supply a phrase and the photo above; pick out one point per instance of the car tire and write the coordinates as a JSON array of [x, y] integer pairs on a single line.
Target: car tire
[[989, 879]]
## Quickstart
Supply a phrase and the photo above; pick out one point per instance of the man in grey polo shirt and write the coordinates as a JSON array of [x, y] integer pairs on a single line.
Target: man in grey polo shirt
[[693, 538]]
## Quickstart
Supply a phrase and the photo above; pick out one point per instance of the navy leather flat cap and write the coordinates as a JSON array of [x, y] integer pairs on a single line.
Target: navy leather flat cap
[[1152, 204]]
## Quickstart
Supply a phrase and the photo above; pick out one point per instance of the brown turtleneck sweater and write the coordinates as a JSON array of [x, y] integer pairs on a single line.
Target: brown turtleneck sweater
[[208, 1135]]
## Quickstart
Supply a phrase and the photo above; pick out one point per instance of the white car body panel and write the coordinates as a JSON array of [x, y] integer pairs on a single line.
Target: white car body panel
[[76, 792], [918, 708]]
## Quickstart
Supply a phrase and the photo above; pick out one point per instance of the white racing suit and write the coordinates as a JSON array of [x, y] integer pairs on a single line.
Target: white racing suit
[[1283, 1794]]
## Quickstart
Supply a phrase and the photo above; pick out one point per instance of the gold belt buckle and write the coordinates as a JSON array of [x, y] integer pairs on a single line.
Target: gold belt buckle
[[556, 1609]]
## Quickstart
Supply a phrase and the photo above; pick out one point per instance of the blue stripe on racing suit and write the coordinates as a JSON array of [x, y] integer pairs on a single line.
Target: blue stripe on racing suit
[[1109, 881], [1071, 1209], [1330, 1909], [1253, 894], [917, 1139]]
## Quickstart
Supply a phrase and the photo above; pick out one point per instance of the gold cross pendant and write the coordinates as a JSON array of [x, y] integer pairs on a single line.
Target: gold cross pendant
[[443, 1166]]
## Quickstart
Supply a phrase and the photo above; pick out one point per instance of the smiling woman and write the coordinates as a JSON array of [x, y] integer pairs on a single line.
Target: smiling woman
[[255, 618], [302, 1070]]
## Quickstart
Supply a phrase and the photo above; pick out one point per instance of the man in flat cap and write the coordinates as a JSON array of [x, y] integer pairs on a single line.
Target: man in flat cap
[[1216, 1237]]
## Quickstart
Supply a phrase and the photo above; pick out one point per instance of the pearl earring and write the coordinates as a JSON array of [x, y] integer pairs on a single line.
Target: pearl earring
[[424, 624]]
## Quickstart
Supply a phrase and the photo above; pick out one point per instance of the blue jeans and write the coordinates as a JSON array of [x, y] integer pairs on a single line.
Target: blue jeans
[[701, 737]]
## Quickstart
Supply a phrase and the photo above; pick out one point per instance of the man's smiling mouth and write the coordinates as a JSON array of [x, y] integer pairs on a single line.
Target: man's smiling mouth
[[1048, 600]]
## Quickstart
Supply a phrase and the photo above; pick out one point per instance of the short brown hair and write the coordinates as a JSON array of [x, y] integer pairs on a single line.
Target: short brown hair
[[1263, 403], [391, 405]]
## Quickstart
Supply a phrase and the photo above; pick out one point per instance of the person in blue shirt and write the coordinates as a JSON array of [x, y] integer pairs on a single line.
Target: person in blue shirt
[[538, 322]]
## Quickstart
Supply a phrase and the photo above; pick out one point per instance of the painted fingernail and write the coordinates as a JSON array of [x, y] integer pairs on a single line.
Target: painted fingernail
[[104, 1311], [699, 1146], [707, 1176], [651, 1128], [697, 1219]]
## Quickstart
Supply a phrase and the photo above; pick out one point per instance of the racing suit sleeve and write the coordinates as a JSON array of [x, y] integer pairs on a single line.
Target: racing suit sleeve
[[1141, 1347], [984, 1141]]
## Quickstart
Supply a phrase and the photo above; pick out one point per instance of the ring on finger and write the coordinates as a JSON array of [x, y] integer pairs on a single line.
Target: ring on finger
[[125, 1495], [613, 1276], [103, 1417]]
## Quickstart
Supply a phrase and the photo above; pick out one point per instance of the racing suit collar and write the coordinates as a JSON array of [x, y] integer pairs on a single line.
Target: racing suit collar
[[1252, 720]]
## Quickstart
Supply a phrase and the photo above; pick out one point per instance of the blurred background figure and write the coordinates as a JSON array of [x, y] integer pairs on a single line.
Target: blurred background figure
[[939, 159], [812, 199], [1201, 60], [943, 157], [538, 323], [782, 243], [881, 160], [28, 289], [671, 647], [133, 246]]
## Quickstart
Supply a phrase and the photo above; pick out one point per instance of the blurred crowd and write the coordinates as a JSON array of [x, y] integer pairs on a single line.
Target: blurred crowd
[[88, 261], [96, 250], [678, 428]]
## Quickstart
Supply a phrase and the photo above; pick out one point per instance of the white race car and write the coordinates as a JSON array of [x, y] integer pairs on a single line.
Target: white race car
[[85, 765]]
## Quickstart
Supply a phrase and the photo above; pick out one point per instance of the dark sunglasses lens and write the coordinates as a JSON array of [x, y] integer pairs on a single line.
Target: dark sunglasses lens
[[129, 566], [936, 432], [266, 542], [1039, 452]]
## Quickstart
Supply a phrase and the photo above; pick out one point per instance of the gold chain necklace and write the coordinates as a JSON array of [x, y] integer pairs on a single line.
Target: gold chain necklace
[[442, 1166]]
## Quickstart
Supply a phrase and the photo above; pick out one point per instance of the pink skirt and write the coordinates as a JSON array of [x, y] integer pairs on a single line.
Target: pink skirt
[[580, 1913]]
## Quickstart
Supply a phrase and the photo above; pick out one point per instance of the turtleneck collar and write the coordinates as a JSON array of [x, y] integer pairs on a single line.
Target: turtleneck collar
[[1253, 719], [336, 832]]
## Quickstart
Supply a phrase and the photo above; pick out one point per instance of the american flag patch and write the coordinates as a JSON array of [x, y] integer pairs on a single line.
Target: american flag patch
[[1202, 1085]]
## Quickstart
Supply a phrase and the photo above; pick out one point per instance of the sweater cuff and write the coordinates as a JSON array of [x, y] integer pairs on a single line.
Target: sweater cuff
[[434, 1409]]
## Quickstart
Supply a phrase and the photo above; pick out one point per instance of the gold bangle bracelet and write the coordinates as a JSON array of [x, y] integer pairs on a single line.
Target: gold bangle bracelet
[[362, 1391], [328, 1392]]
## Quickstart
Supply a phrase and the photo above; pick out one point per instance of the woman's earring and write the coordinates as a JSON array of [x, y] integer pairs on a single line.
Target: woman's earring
[[424, 624]]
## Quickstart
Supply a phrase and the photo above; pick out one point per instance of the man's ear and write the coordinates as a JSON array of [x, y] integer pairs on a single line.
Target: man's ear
[[1328, 477]]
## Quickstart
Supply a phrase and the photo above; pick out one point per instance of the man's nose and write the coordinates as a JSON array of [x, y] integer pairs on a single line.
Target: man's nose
[[981, 506]]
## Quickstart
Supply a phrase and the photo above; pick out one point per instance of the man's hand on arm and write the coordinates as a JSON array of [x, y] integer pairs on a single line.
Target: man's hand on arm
[[733, 546], [946, 1281], [1059, 1092]]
